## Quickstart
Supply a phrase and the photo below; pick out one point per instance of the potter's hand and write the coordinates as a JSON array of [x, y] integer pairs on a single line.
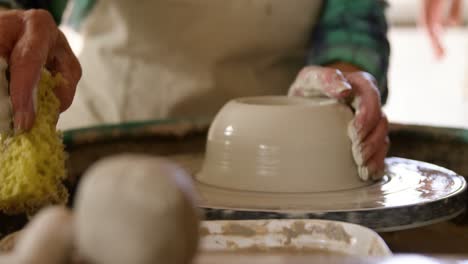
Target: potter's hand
[[30, 40], [369, 128], [434, 19]]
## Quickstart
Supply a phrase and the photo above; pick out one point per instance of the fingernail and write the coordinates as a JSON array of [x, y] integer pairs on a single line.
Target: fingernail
[[21, 121], [344, 93], [344, 87], [363, 173]]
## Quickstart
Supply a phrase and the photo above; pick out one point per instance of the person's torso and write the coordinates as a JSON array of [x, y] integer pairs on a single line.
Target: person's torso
[[151, 59]]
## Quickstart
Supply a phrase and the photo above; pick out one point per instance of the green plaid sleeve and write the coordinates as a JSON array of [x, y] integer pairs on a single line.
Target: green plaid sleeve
[[354, 32]]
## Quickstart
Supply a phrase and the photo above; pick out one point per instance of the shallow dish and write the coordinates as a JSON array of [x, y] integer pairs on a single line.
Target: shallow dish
[[291, 237]]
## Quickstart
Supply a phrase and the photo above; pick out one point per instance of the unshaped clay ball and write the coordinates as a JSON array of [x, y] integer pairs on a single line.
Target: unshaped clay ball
[[48, 238], [136, 209]]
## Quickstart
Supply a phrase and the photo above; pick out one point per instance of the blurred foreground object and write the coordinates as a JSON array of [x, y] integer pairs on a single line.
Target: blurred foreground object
[[136, 209], [435, 19]]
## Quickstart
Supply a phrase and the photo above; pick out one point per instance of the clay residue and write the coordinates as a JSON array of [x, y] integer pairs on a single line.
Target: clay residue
[[232, 245], [263, 249], [238, 230], [337, 232], [235, 229], [331, 231], [297, 229]]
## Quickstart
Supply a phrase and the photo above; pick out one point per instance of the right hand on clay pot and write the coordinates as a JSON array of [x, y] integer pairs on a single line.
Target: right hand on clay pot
[[30, 40], [369, 129]]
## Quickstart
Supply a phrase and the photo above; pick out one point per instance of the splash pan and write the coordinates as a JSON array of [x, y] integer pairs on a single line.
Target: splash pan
[[411, 194], [292, 237]]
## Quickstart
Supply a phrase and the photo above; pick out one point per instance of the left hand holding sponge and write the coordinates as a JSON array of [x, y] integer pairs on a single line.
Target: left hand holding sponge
[[32, 163], [30, 40]]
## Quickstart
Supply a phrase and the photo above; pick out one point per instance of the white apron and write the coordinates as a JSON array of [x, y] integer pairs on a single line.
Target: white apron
[[151, 59]]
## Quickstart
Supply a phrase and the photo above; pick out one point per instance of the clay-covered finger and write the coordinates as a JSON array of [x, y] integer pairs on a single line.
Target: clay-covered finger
[[27, 58], [10, 28], [62, 60], [366, 104], [374, 169], [316, 81], [363, 151]]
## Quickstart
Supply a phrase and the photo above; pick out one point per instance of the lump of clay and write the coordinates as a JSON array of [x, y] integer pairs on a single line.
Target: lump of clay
[[136, 209], [48, 238]]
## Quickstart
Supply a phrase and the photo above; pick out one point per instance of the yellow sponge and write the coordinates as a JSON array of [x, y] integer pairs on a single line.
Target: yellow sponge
[[32, 164]]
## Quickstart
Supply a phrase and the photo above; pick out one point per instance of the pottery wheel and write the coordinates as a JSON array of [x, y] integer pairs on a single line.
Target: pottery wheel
[[411, 194]]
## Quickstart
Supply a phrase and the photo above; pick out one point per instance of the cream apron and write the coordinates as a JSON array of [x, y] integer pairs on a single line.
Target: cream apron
[[151, 59]]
